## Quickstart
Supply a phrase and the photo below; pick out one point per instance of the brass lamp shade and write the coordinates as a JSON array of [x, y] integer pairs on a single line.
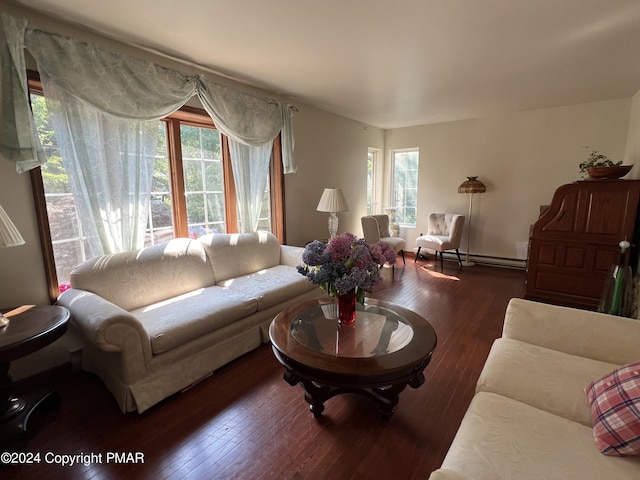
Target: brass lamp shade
[[472, 185]]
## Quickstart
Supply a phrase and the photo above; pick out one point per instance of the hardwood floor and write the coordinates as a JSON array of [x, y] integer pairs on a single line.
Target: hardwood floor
[[246, 422]]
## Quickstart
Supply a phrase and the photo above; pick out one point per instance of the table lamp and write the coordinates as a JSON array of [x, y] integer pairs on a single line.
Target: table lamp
[[332, 201], [470, 186], [9, 237]]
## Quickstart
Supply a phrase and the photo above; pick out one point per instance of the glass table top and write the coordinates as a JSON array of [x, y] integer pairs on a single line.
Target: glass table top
[[377, 331]]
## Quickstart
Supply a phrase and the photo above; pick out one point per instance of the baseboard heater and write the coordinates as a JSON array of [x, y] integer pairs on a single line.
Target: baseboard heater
[[489, 260]]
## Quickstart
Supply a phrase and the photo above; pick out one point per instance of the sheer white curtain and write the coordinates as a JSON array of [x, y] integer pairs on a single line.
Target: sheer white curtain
[[109, 163], [251, 125], [250, 173], [127, 88]]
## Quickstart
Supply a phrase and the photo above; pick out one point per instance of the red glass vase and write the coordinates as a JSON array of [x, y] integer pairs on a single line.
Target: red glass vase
[[347, 307]]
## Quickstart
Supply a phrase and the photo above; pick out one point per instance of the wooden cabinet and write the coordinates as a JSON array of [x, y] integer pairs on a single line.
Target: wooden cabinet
[[575, 241]]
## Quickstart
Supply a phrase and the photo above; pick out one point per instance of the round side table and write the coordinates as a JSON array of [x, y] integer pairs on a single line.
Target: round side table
[[30, 328]]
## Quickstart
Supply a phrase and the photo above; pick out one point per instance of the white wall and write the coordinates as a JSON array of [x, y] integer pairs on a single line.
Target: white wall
[[522, 158], [331, 152], [632, 152]]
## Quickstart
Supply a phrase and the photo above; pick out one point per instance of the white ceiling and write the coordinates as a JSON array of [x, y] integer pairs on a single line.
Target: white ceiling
[[392, 63]]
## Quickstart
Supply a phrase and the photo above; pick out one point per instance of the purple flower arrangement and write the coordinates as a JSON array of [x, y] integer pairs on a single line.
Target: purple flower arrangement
[[345, 263]]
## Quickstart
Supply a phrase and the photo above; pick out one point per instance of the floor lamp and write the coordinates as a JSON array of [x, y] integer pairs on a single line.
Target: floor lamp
[[470, 186]]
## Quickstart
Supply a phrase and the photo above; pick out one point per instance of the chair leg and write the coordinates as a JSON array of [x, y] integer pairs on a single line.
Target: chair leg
[[417, 254], [441, 262], [403, 262], [459, 259]]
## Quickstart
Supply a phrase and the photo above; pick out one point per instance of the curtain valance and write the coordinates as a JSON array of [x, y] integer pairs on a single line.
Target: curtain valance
[[117, 84], [123, 86]]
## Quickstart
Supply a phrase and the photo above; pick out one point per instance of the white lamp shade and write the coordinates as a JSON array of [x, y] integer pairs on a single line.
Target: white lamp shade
[[9, 235], [332, 200]]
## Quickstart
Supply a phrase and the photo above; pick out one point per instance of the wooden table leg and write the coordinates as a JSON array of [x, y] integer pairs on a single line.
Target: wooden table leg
[[17, 413], [9, 406]]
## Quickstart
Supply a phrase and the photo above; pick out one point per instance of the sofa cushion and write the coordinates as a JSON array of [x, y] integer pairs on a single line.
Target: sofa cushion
[[176, 321], [134, 279], [544, 378], [615, 406], [238, 254], [607, 338], [501, 438], [433, 242], [271, 286]]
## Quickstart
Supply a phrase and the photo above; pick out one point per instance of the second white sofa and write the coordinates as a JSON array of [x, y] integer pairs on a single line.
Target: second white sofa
[[530, 417], [159, 319]]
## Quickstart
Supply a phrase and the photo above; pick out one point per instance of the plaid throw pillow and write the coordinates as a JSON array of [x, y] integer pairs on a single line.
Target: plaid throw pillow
[[615, 410]]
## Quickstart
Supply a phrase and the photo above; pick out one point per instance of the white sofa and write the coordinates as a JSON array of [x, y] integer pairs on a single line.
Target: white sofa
[[530, 417], [157, 320]]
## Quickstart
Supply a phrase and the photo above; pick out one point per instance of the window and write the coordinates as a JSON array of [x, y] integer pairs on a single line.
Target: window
[[404, 193], [203, 180], [160, 223], [374, 178], [192, 193]]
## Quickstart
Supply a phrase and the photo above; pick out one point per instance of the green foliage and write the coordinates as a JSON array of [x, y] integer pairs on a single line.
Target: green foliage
[[54, 176], [596, 159]]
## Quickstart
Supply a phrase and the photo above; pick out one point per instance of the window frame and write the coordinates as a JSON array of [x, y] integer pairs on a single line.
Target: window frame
[[196, 118], [186, 115]]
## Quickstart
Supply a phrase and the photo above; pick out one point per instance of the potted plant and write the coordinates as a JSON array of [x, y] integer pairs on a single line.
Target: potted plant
[[598, 165]]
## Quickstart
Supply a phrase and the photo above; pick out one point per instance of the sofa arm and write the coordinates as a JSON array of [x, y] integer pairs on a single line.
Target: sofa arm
[[106, 325], [599, 336], [290, 255], [446, 474]]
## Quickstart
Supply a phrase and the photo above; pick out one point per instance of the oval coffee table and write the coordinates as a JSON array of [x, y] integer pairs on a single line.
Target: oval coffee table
[[386, 349]]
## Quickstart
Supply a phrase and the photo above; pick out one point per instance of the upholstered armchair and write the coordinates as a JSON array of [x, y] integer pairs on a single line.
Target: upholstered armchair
[[444, 233], [376, 228]]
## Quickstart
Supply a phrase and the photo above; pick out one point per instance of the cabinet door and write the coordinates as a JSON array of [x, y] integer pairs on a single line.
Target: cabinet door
[[575, 241]]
